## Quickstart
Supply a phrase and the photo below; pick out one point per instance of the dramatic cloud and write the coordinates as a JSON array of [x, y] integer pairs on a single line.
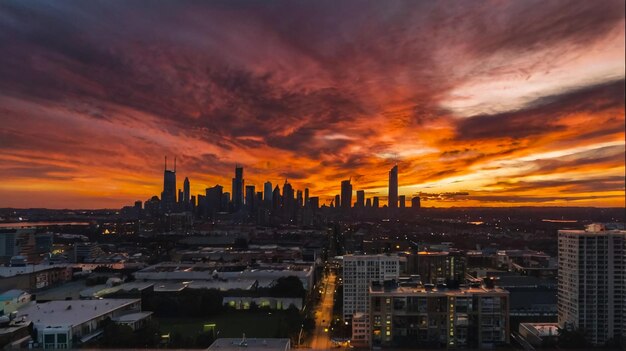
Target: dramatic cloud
[[480, 103]]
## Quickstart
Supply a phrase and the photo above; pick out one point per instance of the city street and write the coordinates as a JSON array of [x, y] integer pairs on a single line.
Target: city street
[[324, 314]]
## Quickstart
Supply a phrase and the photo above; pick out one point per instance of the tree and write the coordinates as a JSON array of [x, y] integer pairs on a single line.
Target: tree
[[290, 286]]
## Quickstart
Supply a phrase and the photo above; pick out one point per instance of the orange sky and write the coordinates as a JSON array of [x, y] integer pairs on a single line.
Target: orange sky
[[486, 103]]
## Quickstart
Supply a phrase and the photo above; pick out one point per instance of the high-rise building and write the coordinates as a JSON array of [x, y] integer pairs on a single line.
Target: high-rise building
[[360, 199], [168, 195], [359, 271], [314, 202], [337, 201], [213, 201], [237, 191], [402, 201], [416, 202], [267, 194], [186, 194], [393, 188], [306, 197], [276, 198], [18, 242], [368, 203], [346, 194], [299, 198], [409, 315], [375, 202], [250, 193], [592, 282], [288, 196]]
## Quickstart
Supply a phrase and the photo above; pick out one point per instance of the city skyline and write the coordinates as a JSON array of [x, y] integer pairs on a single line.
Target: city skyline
[[480, 104]]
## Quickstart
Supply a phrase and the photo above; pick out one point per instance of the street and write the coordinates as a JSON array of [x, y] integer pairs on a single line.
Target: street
[[324, 314]]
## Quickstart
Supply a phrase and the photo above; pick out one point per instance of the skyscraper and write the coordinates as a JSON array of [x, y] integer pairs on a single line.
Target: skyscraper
[[168, 195], [346, 194], [306, 197], [360, 199], [416, 202], [299, 199], [237, 191], [186, 194], [402, 201], [393, 188], [375, 202], [213, 200], [288, 199], [592, 282], [250, 194], [267, 194], [337, 201], [276, 198]]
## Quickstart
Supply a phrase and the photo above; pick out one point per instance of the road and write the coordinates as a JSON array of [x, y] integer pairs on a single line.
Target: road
[[324, 314]]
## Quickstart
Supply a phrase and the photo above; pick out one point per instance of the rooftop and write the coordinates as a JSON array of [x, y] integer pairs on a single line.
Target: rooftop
[[6, 272], [71, 312], [237, 344]]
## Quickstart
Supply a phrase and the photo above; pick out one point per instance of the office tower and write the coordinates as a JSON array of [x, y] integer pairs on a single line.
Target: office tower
[[237, 190], [306, 197], [152, 206], [337, 201], [213, 201], [592, 282], [375, 202], [276, 198], [393, 188], [267, 194], [288, 200], [360, 199], [314, 202], [258, 200], [168, 195], [299, 199], [416, 202], [202, 205], [186, 194], [368, 203], [409, 315], [192, 203], [226, 201], [346, 194], [402, 201], [180, 199], [359, 271], [250, 191]]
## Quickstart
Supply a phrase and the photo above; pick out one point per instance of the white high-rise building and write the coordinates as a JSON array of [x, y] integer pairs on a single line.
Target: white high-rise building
[[359, 271], [592, 282]]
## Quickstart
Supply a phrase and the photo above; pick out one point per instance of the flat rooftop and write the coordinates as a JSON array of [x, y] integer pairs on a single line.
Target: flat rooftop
[[71, 312], [238, 344], [6, 272]]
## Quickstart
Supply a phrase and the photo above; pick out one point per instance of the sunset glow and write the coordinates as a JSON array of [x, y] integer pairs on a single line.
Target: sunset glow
[[486, 103]]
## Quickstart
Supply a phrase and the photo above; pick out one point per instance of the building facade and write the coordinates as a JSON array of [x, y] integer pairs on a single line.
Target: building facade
[[412, 316], [359, 271], [592, 282]]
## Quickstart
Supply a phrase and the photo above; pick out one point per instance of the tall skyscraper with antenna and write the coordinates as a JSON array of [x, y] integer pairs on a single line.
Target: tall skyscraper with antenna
[[393, 188]]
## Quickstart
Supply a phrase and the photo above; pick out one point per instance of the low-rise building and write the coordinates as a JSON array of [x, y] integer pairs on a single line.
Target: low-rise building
[[65, 324], [33, 277], [237, 344], [13, 299]]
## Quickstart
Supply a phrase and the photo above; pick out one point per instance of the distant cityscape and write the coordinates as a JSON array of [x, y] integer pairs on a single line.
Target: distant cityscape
[[270, 205]]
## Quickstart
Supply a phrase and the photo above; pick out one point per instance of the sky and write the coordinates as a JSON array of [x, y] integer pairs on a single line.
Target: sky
[[480, 103]]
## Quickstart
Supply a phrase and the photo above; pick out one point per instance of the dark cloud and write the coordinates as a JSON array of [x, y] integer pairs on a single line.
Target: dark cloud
[[544, 115]]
